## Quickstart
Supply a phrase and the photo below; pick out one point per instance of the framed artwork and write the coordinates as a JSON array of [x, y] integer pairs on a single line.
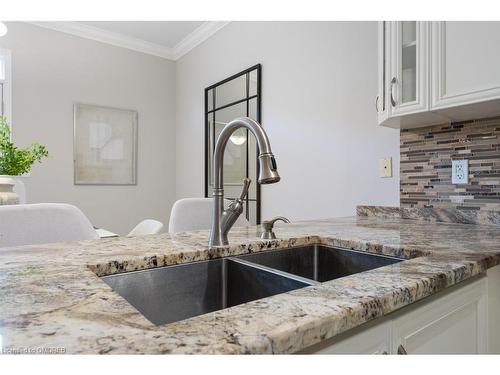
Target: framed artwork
[[105, 145]]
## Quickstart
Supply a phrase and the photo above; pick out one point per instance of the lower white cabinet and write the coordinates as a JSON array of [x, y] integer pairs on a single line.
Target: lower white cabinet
[[454, 321], [493, 310]]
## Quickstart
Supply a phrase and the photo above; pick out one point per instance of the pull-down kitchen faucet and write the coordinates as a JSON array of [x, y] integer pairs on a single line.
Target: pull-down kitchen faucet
[[223, 220]]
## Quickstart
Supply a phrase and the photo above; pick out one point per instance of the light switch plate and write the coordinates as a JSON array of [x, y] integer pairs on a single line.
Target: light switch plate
[[385, 167], [459, 171]]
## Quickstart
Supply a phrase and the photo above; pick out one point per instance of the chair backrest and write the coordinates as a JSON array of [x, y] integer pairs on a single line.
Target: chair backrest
[[195, 214], [27, 224], [146, 227]]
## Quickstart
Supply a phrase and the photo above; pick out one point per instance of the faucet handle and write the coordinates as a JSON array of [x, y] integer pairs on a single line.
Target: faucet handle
[[246, 185], [231, 214]]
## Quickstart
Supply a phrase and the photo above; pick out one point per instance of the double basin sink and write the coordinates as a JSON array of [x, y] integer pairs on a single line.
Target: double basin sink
[[172, 293]]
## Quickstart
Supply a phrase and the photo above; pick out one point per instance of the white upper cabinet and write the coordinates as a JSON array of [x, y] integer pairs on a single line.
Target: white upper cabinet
[[433, 72], [465, 66]]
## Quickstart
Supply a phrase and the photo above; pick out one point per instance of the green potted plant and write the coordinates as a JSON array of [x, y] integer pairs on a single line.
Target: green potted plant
[[15, 162]]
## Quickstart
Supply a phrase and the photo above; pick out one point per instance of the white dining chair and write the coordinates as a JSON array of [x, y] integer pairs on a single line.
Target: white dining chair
[[195, 214], [146, 227], [27, 224]]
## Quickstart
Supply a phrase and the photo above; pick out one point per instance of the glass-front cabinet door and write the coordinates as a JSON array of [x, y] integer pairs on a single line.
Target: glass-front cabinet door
[[407, 82], [381, 100]]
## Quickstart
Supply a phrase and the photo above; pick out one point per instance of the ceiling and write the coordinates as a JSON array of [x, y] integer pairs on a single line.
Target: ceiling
[[164, 33], [168, 39]]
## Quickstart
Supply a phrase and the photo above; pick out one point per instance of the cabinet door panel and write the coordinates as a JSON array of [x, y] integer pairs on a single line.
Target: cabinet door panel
[[494, 310], [465, 62], [453, 324], [381, 101], [454, 333], [408, 83]]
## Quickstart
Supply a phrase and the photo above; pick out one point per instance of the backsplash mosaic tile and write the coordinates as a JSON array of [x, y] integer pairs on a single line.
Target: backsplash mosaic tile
[[426, 165]]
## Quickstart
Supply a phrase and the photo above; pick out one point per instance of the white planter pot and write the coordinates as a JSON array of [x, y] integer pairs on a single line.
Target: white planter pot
[[19, 187], [7, 194]]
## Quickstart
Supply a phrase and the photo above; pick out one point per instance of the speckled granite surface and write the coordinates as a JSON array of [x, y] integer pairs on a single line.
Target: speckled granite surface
[[51, 297], [439, 214]]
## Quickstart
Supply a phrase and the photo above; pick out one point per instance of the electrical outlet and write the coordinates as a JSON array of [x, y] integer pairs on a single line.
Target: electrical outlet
[[385, 167], [459, 171]]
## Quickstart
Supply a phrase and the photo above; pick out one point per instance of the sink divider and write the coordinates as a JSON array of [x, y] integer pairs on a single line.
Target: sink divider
[[275, 271], [315, 261]]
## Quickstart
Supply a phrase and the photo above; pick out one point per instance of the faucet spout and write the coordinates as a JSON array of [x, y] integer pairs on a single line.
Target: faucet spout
[[268, 174]]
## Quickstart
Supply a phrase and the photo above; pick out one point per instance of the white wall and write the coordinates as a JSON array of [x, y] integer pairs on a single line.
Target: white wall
[[51, 70], [319, 84]]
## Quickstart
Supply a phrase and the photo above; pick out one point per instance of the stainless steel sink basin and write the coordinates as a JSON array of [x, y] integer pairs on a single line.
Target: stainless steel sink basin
[[172, 293], [320, 263], [168, 294]]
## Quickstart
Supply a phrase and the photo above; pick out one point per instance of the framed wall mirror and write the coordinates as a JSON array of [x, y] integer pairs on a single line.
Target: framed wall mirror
[[236, 96]]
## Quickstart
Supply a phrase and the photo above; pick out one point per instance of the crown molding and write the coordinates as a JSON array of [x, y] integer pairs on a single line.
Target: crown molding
[[108, 37], [199, 35]]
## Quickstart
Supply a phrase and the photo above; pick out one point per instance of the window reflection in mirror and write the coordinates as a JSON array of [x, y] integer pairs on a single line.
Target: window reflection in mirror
[[236, 96]]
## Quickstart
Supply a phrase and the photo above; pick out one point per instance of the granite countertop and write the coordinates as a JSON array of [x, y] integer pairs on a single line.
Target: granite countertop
[[51, 296]]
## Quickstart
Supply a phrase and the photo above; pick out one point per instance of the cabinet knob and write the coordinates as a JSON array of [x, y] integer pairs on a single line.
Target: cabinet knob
[[401, 349], [394, 81], [376, 103]]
